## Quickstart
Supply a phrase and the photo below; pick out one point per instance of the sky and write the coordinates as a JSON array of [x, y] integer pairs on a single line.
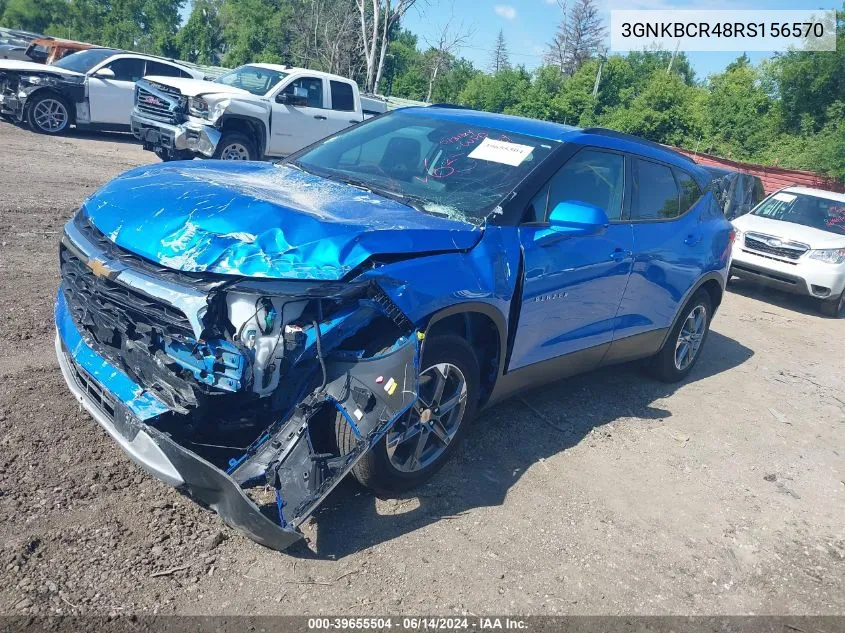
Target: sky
[[528, 25]]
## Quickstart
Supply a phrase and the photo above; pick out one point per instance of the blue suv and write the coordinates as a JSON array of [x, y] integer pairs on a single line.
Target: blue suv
[[349, 309]]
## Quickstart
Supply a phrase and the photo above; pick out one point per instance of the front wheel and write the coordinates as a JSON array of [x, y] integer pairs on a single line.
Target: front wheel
[[48, 114], [235, 146], [421, 441], [834, 308], [683, 345]]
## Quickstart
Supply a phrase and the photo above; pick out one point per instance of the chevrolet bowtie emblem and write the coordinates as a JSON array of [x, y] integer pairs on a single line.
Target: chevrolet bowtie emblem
[[99, 268]]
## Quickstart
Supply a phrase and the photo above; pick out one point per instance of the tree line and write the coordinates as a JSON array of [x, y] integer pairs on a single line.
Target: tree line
[[787, 111]]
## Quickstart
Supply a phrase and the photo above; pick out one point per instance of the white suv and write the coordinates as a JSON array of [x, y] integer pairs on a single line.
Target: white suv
[[94, 88], [795, 240]]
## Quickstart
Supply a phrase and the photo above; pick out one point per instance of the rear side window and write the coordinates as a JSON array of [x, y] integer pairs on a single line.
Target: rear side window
[[690, 193], [127, 69], [164, 70], [654, 194], [342, 97]]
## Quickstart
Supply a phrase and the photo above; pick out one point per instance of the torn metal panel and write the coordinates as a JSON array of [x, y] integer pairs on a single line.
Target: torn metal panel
[[262, 220], [487, 274], [371, 393]]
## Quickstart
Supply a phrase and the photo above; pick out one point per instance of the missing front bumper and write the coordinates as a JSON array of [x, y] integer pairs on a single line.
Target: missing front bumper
[[371, 394], [157, 135]]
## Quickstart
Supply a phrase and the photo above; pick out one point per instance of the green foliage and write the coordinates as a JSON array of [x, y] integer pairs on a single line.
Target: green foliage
[[738, 112], [253, 32], [788, 111], [808, 82], [662, 112], [30, 15], [200, 40], [496, 93]]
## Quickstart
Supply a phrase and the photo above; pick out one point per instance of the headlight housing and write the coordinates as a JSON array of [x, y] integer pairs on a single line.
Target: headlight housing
[[829, 255], [738, 236], [198, 107], [32, 79]]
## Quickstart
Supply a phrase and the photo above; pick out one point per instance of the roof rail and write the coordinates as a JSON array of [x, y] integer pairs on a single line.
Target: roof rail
[[601, 131]]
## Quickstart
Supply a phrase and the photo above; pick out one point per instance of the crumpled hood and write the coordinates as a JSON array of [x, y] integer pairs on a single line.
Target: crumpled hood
[[196, 87], [261, 220], [33, 67]]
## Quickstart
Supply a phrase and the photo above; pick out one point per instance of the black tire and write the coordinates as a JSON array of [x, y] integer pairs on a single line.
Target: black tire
[[833, 308], [235, 139], [375, 470], [167, 155], [48, 99], [663, 365]]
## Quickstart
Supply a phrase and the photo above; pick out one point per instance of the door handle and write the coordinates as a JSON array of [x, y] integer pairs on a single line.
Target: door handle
[[692, 240], [618, 255], [320, 117]]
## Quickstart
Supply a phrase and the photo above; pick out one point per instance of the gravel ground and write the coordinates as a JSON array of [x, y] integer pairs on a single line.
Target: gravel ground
[[607, 493]]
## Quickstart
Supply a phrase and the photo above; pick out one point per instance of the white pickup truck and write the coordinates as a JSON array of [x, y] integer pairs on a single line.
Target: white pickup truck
[[252, 112]]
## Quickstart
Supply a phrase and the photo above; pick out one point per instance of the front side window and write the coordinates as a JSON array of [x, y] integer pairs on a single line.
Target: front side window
[[654, 194], [255, 79], [307, 92], [443, 165], [807, 210], [127, 68], [591, 177]]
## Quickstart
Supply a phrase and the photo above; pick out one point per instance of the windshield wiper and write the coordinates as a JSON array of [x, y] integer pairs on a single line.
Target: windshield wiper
[[408, 201]]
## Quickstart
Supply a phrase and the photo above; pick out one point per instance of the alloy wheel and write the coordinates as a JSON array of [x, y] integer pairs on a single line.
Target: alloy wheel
[[423, 435], [234, 151], [50, 115], [690, 337]]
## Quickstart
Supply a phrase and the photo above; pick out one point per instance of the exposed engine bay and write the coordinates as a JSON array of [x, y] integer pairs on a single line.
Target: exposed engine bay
[[247, 378]]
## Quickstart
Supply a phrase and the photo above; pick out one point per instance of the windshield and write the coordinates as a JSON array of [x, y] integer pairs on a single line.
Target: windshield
[[83, 61], [253, 79], [437, 165], [798, 208]]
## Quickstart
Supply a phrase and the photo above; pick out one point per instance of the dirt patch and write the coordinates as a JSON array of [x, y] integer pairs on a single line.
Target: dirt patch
[[724, 494]]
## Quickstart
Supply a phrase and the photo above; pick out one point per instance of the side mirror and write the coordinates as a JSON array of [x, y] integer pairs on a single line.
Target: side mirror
[[105, 73], [575, 218], [298, 97]]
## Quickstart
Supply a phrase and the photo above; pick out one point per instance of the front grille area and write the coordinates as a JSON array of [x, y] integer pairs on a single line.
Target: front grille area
[[151, 105], [786, 250], [104, 306], [101, 398]]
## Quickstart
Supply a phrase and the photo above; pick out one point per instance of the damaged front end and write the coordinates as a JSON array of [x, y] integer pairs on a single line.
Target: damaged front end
[[17, 87], [225, 386]]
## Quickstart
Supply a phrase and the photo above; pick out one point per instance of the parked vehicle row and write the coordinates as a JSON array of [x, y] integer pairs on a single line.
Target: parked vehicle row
[[351, 308]]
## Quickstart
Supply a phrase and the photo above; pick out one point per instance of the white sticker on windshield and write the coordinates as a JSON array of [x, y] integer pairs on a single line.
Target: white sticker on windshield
[[784, 197], [501, 152]]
